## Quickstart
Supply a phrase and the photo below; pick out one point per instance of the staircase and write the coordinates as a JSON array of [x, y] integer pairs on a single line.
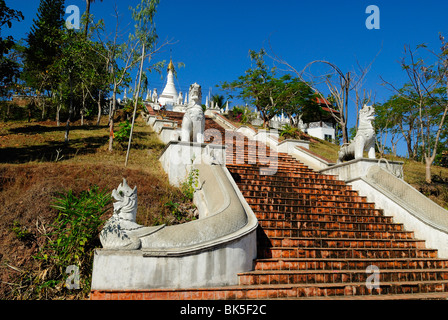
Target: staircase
[[319, 239]]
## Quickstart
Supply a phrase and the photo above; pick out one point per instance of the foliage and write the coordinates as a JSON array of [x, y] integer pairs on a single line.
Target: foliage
[[242, 114], [271, 94], [77, 225], [22, 233], [174, 209], [87, 16], [75, 235], [128, 108], [218, 100], [298, 100], [257, 86], [184, 210], [123, 133], [442, 159], [290, 132], [44, 45], [9, 68], [425, 98], [69, 243], [395, 119], [189, 186], [120, 58]]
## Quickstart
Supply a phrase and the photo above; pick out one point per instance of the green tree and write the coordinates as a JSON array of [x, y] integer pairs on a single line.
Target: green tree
[[83, 75], [44, 45], [146, 38], [400, 114], [271, 94], [218, 100], [298, 100], [9, 68], [258, 86], [428, 94], [119, 59], [386, 127], [122, 57]]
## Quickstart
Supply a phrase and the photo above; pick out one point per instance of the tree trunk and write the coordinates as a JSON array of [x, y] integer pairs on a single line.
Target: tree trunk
[[70, 112], [111, 126], [428, 163], [86, 28], [137, 93], [99, 109], [111, 134], [265, 123], [43, 111], [58, 109], [344, 132], [83, 109], [111, 120]]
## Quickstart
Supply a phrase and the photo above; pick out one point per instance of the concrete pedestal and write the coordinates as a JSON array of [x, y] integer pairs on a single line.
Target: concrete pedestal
[[354, 169]]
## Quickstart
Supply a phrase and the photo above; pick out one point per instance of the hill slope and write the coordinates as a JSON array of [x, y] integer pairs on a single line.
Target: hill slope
[[30, 178]]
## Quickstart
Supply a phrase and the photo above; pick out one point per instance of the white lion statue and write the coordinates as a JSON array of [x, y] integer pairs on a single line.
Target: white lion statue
[[364, 139], [194, 120], [121, 231]]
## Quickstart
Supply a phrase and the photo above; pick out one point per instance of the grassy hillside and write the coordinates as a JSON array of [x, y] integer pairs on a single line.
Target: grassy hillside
[[36, 166]]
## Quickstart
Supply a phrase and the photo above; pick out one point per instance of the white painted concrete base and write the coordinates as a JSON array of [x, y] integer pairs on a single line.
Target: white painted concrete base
[[114, 270], [354, 169], [433, 236]]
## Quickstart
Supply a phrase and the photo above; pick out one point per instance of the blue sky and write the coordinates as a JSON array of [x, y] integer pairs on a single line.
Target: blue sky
[[213, 37]]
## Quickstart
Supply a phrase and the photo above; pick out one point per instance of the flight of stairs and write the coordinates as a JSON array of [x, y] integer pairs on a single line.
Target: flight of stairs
[[318, 239]]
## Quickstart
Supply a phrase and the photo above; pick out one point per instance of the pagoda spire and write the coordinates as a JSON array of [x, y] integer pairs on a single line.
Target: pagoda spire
[[169, 94]]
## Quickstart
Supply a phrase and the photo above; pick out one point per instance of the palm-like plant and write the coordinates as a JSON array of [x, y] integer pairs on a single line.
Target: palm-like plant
[[290, 132], [218, 100]]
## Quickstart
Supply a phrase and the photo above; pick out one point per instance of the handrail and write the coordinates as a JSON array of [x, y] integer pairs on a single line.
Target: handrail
[[408, 197], [233, 220]]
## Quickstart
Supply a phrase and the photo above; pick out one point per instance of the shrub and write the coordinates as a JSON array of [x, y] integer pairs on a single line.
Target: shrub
[[73, 237], [124, 132], [242, 114], [189, 186], [290, 132]]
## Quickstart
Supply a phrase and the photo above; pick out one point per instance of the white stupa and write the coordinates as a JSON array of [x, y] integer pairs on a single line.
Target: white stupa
[[169, 94]]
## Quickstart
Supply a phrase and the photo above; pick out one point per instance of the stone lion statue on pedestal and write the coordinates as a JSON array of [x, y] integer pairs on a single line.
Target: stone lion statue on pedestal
[[121, 232], [364, 139], [194, 119]]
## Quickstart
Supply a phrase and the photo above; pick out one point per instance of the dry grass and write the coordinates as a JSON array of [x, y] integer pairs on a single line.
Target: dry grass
[[30, 177], [325, 149]]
